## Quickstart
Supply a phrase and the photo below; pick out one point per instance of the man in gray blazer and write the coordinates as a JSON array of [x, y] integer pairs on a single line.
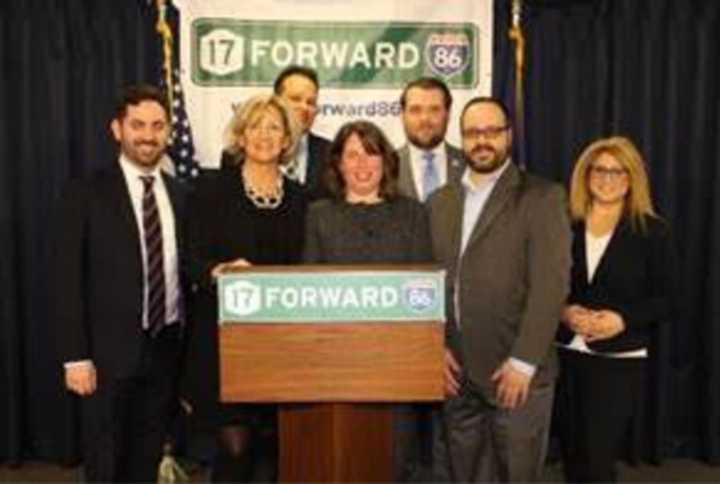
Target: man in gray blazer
[[427, 162], [504, 237]]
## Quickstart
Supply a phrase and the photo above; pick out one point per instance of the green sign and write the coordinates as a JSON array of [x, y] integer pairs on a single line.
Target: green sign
[[345, 54], [338, 296]]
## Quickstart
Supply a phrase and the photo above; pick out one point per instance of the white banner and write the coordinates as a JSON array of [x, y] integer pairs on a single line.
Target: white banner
[[365, 51]]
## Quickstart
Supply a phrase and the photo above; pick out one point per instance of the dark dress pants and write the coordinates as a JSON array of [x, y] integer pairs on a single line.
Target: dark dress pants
[[478, 442], [597, 399], [126, 420]]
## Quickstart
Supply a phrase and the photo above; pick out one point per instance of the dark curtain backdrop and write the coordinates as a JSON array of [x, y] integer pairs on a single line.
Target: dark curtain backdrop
[[62, 64], [646, 69], [643, 68]]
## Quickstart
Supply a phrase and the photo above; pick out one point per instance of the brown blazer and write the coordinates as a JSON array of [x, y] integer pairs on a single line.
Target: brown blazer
[[511, 280]]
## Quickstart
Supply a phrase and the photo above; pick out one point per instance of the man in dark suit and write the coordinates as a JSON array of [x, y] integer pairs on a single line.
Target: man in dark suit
[[427, 161], [119, 299], [504, 237], [299, 86]]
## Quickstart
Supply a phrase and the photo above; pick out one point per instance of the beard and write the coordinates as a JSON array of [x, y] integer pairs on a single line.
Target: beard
[[431, 142], [136, 153], [483, 164]]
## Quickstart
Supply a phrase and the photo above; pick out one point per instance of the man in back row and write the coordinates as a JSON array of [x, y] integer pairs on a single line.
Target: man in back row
[[299, 86], [427, 161]]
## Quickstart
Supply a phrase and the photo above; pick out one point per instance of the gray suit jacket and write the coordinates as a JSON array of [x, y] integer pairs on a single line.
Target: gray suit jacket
[[455, 169], [513, 277]]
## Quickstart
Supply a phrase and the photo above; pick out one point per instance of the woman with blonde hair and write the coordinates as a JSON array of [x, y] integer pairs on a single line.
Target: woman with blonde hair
[[248, 213], [621, 288]]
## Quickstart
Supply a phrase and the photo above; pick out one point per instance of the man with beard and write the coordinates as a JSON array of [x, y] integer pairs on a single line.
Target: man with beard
[[118, 295], [504, 237], [427, 162]]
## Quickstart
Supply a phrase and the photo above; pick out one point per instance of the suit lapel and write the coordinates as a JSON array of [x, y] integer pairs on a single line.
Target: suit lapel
[[173, 194], [455, 164], [405, 178], [580, 255], [609, 254], [119, 196], [454, 211], [502, 193], [312, 162]]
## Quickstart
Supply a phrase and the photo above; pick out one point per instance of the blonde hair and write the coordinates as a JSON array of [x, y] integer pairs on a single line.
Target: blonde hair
[[638, 202], [250, 111]]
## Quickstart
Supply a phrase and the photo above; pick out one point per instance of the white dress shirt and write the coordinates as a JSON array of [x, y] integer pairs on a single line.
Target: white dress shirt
[[167, 221], [300, 163]]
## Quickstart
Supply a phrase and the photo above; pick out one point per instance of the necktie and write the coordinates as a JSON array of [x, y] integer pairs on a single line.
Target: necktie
[[155, 275], [430, 179]]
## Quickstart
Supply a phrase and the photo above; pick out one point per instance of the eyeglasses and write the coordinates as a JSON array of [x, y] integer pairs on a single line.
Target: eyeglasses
[[612, 174], [491, 132]]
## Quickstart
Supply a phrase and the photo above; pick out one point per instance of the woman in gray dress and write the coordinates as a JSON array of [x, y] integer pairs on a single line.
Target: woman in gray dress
[[366, 221]]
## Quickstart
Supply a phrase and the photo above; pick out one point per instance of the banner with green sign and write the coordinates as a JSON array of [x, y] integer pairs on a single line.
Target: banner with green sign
[[344, 296], [346, 54], [365, 52]]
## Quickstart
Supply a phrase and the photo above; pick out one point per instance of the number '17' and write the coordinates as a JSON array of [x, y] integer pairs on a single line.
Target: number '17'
[[227, 44]]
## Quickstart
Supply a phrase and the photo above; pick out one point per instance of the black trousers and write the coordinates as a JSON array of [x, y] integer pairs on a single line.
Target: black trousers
[[597, 399], [126, 420]]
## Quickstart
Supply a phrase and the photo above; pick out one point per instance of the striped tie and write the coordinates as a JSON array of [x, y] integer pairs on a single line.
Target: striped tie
[[155, 275]]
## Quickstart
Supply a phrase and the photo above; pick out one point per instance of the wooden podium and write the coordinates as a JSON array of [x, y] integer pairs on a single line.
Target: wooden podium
[[335, 382]]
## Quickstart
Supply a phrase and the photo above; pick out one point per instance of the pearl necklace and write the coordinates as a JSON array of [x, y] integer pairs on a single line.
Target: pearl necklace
[[264, 200]]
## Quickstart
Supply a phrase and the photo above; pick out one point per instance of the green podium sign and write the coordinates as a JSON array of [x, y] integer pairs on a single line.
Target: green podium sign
[[334, 296]]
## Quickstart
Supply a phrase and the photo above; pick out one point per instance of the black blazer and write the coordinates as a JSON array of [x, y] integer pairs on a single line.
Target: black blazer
[[221, 225], [318, 155], [635, 277], [98, 272]]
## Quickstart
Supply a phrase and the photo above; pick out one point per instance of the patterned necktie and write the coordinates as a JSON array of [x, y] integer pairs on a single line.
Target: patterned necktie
[[430, 179], [155, 275]]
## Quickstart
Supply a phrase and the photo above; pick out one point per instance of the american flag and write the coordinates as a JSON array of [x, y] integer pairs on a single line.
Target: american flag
[[181, 148]]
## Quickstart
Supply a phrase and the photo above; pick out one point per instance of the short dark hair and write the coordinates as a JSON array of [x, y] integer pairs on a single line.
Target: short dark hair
[[375, 143], [135, 94], [486, 100], [427, 83], [295, 70]]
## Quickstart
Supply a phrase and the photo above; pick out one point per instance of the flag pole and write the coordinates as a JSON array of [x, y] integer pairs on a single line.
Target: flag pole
[[163, 28], [518, 37]]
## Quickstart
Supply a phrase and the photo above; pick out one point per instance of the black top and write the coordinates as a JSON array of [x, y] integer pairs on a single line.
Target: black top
[[394, 231], [223, 224], [635, 278]]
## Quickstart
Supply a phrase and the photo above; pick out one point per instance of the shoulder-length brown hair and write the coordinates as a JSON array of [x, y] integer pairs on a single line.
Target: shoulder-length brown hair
[[250, 111], [638, 201], [375, 143]]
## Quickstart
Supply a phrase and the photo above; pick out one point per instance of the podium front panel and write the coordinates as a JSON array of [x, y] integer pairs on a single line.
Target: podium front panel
[[357, 362]]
